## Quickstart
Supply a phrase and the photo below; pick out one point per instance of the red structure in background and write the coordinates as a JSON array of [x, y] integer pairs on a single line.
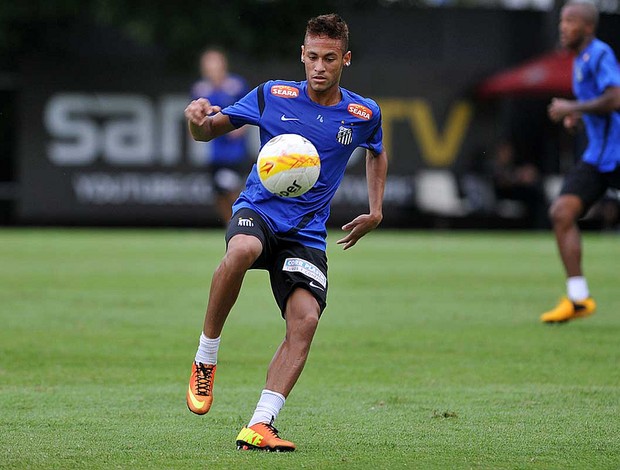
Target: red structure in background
[[546, 75]]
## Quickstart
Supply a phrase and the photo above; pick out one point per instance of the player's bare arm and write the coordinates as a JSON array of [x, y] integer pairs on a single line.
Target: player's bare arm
[[376, 173], [609, 101], [205, 120]]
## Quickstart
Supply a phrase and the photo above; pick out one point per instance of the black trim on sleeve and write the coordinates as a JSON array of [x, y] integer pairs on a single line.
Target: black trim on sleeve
[[261, 98]]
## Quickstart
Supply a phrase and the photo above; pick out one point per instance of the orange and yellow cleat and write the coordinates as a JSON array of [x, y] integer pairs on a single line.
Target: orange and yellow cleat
[[568, 310], [200, 391], [263, 436]]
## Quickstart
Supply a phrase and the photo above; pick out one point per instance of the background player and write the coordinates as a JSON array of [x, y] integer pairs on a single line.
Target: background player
[[287, 236], [228, 162], [596, 84]]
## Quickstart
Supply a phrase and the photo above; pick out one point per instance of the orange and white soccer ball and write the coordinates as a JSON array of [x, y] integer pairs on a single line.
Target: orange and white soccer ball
[[288, 165]]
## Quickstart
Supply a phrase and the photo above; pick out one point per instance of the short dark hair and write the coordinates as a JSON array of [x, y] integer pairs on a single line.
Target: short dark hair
[[332, 26]]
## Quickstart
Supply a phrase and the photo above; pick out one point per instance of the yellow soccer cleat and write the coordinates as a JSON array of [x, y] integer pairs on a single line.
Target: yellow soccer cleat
[[568, 310], [200, 391], [262, 436]]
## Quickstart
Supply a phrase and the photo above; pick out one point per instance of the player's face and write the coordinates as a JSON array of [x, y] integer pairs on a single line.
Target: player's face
[[573, 27], [213, 66], [323, 60]]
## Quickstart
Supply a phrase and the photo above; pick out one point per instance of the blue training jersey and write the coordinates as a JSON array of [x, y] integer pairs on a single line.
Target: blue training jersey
[[594, 70], [283, 107], [225, 149]]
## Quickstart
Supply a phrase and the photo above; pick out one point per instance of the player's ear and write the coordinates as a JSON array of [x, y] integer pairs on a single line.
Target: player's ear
[[347, 58], [302, 53]]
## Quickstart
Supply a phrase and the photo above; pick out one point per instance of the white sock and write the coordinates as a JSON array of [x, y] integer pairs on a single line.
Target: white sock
[[577, 288], [268, 407], [207, 350]]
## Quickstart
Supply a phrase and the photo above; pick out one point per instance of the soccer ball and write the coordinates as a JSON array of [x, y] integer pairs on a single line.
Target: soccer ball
[[288, 165]]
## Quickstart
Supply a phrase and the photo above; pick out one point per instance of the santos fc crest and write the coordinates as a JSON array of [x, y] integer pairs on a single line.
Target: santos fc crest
[[345, 135]]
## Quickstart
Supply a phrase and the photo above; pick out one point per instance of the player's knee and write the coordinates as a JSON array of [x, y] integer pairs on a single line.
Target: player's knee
[[309, 320], [303, 311], [242, 254], [302, 330], [561, 213]]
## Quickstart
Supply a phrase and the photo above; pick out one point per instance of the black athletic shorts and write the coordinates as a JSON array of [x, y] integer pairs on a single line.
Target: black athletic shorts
[[227, 178], [589, 184], [290, 264]]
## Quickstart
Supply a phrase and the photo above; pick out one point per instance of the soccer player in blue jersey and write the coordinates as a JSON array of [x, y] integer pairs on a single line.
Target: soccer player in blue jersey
[[287, 236], [596, 84], [228, 162]]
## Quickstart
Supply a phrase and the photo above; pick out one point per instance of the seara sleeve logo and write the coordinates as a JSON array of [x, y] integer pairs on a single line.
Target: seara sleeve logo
[[284, 91]]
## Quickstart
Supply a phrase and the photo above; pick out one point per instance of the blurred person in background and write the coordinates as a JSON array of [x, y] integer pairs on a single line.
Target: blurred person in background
[[607, 211], [287, 236], [490, 177], [519, 181], [228, 161], [596, 85]]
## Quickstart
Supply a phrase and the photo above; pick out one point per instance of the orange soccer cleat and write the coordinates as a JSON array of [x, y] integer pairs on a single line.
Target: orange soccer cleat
[[200, 391], [567, 310], [263, 436]]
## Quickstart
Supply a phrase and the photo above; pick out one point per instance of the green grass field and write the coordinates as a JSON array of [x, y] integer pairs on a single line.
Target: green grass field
[[429, 355]]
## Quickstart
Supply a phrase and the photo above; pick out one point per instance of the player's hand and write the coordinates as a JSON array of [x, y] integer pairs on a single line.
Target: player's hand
[[357, 228], [198, 111], [560, 108], [572, 121]]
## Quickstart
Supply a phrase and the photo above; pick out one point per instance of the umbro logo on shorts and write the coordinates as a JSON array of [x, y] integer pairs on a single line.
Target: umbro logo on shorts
[[245, 222]]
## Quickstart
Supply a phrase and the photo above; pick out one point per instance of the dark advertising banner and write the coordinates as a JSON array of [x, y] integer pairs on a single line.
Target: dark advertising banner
[[113, 148], [102, 149], [105, 142]]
